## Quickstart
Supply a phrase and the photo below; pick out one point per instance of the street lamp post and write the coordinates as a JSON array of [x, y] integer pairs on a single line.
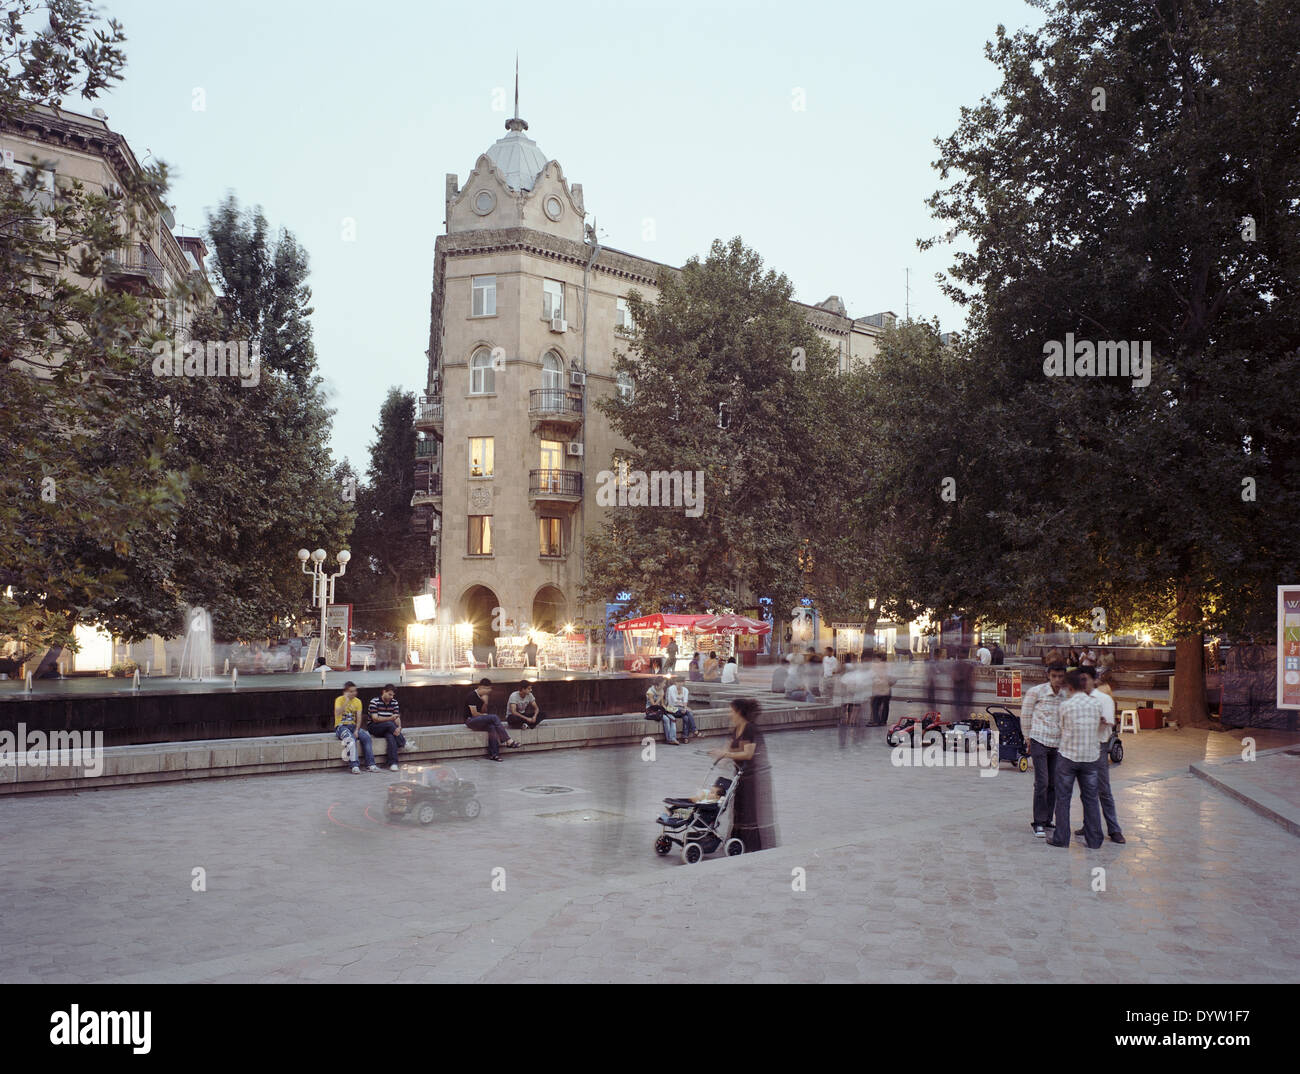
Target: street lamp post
[[322, 584]]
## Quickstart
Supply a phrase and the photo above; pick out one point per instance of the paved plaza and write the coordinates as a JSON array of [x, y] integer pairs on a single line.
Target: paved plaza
[[907, 874]]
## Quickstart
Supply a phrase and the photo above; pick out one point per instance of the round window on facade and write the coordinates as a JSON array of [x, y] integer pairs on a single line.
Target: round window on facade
[[553, 207], [484, 202]]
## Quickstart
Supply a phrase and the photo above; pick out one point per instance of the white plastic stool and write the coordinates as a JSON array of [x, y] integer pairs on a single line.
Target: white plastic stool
[[1128, 721]]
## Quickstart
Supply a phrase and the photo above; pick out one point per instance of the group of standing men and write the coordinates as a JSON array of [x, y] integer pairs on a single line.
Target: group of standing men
[[1069, 721]]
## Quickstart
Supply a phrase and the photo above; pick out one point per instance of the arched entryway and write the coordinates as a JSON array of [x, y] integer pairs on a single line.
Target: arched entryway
[[478, 607], [550, 609]]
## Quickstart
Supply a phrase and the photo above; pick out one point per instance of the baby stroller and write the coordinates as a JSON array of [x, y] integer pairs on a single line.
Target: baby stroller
[[1011, 740], [697, 827]]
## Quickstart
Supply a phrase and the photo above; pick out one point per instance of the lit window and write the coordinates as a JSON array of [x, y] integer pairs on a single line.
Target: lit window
[[482, 377], [623, 317], [552, 299], [552, 455], [480, 535], [480, 456], [485, 296], [550, 537]]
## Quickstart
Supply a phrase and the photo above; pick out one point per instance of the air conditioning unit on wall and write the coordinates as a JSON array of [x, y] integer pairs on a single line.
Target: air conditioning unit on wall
[[559, 324], [577, 379], [575, 448]]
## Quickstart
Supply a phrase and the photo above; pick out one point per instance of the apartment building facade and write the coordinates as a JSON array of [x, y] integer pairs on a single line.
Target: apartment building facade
[[152, 261], [527, 313]]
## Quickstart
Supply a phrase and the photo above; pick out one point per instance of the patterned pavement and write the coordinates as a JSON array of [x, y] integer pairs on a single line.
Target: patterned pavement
[[908, 874]]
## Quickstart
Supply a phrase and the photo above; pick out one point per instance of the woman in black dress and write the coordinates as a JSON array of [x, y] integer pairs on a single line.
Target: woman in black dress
[[755, 816]]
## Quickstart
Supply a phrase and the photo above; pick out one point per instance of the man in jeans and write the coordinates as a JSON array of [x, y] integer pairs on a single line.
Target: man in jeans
[[386, 722], [348, 729], [678, 696], [1104, 795], [522, 709], [1040, 718], [1076, 761], [477, 718]]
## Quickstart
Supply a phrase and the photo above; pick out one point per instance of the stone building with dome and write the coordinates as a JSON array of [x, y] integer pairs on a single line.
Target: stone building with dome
[[526, 314]]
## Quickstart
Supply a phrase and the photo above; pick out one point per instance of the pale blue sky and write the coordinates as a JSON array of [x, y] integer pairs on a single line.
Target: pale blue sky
[[676, 111]]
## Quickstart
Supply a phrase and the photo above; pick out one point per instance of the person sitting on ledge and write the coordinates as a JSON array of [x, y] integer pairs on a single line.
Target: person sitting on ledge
[[386, 722], [678, 698], [348, 729], [477, 718], [693, 669], [712, 670], [780, 673], [522, 709], [730, 671]]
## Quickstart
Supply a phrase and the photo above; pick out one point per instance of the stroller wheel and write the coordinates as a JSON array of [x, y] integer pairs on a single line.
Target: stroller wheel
[[1116, 751], [663, 845], [691, 853], [733, 848], [1023, 764]]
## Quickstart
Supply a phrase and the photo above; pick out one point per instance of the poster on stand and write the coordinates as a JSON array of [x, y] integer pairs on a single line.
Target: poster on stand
[[338, 637], [1288, 646]]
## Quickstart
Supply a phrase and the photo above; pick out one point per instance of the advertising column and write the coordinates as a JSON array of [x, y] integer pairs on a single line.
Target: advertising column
[[1288, 647]]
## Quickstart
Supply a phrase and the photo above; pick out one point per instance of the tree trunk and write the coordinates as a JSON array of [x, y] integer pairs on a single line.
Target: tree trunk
[[1188, 705]]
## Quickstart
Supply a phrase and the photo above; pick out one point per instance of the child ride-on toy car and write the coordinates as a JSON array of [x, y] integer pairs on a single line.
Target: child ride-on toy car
[[917, 732], [431, 791]]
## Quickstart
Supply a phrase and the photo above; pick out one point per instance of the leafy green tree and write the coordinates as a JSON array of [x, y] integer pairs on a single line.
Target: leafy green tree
[[266, 484], [727, 378], [389, 565], [1135, 178], [85, 479]]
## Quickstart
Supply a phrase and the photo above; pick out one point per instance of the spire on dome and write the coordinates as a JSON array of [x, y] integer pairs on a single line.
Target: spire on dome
[[516, 124]]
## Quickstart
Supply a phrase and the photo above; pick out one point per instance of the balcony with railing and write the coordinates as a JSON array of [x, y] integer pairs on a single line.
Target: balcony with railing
[[428, 414], [425, 521], [426, 449], [560, 486], [135, 266], [428, 489], [559, 406]]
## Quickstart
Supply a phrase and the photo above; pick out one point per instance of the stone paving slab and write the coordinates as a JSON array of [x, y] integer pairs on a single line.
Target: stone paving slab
[[1269, 783], [912, 874]]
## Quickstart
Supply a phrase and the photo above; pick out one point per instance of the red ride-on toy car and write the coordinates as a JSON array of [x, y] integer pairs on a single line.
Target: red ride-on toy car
[[916, 731]]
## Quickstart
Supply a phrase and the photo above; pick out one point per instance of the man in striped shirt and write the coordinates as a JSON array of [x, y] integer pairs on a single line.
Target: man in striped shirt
[[1040, 720], [386, 722], [1081, 717]]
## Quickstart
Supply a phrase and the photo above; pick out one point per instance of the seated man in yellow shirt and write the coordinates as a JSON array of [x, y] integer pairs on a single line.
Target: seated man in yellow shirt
[[348, 729]]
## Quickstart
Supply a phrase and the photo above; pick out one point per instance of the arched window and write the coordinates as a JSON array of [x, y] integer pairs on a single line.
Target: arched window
[[482, 377], [552, 371], [626, 388]]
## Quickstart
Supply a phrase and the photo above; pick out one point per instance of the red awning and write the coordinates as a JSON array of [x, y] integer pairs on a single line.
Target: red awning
[[731, 624], [659, 621]]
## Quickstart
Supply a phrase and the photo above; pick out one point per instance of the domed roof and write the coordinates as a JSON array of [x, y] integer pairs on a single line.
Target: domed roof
[[517, 156]]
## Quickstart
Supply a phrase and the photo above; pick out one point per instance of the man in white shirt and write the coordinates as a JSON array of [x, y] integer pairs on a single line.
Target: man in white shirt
[[730, 671], [829, 663], [1104, 796], [1040, 722], [678, 696], [984, 655]]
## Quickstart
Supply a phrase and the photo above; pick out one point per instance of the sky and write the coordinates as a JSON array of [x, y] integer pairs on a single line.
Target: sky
[[806, 128]]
